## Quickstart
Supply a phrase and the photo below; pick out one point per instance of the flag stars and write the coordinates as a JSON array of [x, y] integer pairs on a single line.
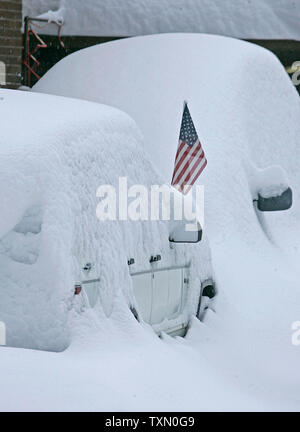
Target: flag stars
[[188, 132]]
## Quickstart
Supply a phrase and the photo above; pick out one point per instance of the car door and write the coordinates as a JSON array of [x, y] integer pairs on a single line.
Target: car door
[[160, 294]]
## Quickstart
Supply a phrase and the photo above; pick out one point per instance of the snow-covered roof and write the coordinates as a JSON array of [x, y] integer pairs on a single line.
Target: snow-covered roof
[[263, 19]]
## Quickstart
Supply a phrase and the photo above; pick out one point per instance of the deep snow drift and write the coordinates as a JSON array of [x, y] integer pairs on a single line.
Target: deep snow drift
[[262, 19], [241, 357]]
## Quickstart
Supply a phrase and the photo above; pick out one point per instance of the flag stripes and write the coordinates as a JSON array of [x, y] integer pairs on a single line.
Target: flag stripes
[[190, 159]]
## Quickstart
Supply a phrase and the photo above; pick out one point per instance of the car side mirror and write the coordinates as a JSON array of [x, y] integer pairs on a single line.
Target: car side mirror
[[180, 235], [275, 202]]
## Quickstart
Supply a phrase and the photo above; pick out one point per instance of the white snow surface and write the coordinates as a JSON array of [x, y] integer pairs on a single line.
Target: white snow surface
[[241, 356], [258, 19]]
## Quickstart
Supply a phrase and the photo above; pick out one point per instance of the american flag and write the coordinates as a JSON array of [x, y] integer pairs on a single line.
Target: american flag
[[190, 159]]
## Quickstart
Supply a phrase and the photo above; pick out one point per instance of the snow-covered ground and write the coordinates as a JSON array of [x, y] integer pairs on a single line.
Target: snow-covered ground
[[241, 357], [257, 19]]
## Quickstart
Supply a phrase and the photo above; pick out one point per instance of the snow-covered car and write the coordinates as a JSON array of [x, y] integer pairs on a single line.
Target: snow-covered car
[[52, 240], [243, 355]]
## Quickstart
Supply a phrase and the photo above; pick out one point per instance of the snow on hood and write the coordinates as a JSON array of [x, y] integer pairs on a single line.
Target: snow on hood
[[265, 19]]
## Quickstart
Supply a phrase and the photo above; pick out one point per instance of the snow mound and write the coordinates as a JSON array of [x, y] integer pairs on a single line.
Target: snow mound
[[264, 19]]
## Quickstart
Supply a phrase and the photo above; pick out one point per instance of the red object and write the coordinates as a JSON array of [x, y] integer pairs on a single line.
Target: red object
[[78, 289], [30, 62], [30, 55]]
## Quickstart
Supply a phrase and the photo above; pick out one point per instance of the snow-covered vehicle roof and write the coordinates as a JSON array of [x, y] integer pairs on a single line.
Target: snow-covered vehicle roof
[[264, 19]]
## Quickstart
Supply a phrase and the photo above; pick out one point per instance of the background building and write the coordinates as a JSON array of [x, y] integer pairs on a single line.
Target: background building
[[11, 43]]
